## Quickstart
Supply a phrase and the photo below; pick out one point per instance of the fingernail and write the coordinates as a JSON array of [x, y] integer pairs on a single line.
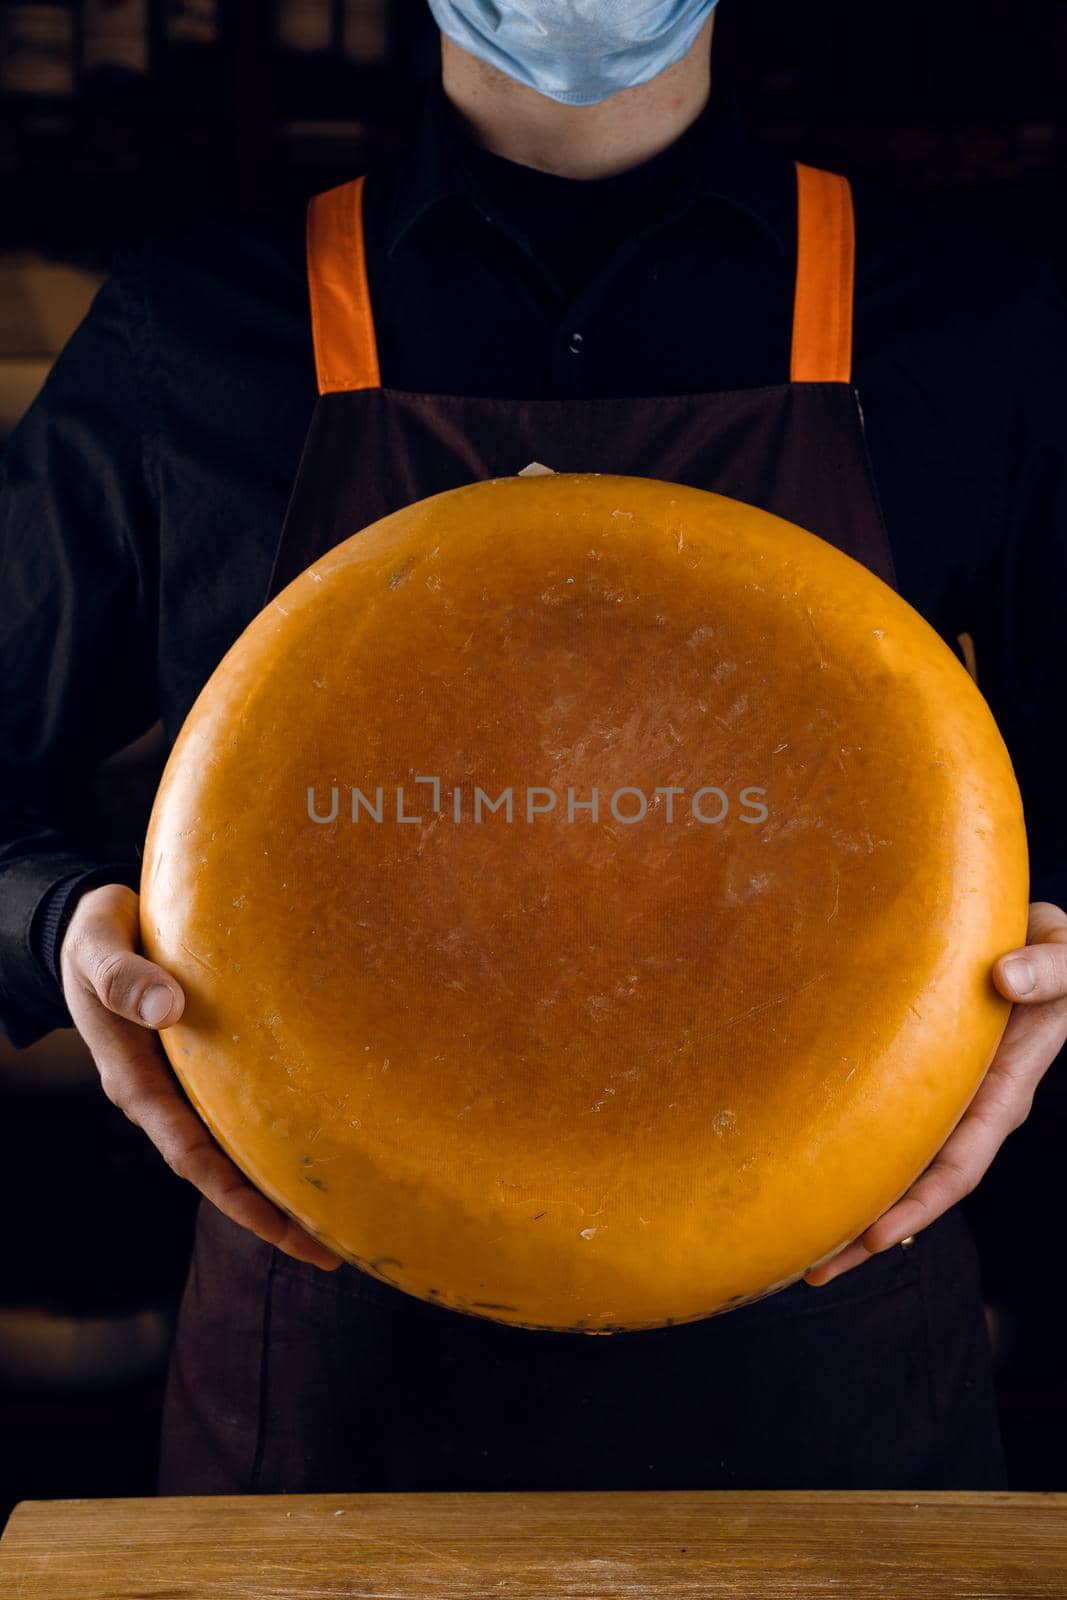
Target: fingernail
[[155, 1003], [1021, 976]]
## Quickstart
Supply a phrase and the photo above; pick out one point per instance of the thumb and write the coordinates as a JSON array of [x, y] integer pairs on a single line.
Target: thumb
[[99, 955], [133, 987], [1038, 971]]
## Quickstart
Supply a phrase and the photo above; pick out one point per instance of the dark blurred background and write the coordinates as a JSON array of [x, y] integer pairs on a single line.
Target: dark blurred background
[[122, 117]]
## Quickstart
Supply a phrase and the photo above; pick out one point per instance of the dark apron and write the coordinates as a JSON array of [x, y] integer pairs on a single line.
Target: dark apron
[[285, 1378]]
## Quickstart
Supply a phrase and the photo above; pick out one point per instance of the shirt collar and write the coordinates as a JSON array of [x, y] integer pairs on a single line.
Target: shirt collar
[[731, 171]]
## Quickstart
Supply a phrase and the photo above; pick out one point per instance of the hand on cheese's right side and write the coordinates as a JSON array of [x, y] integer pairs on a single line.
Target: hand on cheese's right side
[[117, 999]]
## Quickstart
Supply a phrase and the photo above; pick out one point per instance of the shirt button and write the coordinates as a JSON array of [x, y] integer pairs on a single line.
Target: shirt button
[[576, 344]]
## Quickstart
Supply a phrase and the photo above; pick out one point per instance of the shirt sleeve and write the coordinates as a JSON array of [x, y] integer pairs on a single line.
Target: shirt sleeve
[[1020, 608], [78, 623], [55, 910]]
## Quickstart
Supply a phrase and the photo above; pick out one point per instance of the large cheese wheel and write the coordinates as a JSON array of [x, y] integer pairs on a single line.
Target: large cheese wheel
[[564, 1069]]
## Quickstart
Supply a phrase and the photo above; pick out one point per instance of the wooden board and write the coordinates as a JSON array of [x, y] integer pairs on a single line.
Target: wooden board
[[586, 1546]]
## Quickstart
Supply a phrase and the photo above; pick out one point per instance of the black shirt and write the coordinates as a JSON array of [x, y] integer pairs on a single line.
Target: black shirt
[[572, 229], [145, 488]]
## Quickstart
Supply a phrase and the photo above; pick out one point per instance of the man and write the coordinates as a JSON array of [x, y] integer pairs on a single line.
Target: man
[[577, 220]]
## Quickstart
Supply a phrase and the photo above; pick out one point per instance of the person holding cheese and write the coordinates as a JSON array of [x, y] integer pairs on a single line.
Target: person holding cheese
[[578, 217]]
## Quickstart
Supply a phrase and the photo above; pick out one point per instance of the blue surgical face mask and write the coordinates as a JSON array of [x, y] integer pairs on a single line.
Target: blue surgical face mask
[[577, 51]]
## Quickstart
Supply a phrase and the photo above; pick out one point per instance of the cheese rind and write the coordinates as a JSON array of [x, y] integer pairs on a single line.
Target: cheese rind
[[577, 1070]]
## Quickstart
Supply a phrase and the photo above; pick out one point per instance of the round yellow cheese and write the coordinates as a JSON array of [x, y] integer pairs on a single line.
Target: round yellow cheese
[[585, 890]]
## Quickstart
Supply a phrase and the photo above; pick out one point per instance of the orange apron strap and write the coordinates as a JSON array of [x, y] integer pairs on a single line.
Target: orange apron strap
[[346, 351], [342, 323], [826, 267]]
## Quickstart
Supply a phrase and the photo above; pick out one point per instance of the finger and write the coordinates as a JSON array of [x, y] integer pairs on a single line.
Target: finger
[[1031, 1042], [134, 988], [1001, 1105], [102, 959], [953, 1173], [136, 1078], [853, 1255], [192, 1154], [1037, 972]]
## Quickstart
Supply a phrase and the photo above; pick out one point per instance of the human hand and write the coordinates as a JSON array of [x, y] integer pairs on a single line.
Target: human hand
[[1035, 977], [117, 999]]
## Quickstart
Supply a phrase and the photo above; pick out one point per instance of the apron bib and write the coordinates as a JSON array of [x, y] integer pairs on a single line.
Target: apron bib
[[284, 1378]]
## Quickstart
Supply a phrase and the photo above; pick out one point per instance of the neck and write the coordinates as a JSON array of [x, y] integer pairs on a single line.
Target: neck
[[514, 121]]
